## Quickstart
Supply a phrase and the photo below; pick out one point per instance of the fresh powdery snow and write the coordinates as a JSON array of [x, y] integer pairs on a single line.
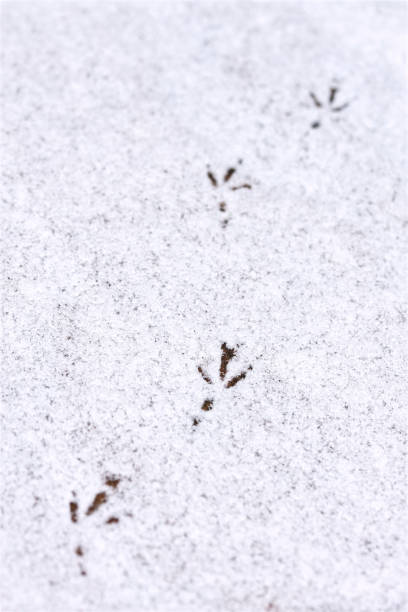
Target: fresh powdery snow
[[203, 282]]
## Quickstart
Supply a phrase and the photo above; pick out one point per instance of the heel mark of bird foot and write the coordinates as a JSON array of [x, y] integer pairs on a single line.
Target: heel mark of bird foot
[[207, 405]]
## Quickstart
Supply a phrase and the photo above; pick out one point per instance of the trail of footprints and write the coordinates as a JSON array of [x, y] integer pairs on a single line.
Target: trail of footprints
[[227, 353], [224, 182]]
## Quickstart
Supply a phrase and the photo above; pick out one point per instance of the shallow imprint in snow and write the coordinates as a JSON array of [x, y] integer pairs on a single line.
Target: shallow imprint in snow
[[229, 173], [227, 355], [99, 500]]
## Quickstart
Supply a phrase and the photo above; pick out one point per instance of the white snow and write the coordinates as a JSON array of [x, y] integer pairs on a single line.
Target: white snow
[[120, 280]]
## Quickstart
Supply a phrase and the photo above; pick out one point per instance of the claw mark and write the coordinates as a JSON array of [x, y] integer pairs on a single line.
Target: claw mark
[[315, 100], [204, 375], [226, 356], [244, 186], [340, 108], [99, 499], [236, 379], [228, 174], [212, 178]]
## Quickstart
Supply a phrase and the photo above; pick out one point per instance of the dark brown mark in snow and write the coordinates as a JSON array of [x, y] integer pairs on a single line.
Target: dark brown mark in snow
[[99, 499], [212, 178], [244, 186], [227, 355], [332, 94], [112, 481], [204, 375], [236, 379], [230, 172], [73, 509], [207, 405]]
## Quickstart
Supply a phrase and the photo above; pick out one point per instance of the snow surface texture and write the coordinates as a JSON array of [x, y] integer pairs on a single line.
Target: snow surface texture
[[121, 278]]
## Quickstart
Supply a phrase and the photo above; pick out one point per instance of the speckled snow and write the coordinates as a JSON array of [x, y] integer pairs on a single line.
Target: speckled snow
[[121, 278]]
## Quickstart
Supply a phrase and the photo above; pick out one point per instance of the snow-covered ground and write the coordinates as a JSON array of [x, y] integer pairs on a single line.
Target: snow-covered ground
[[203, 307]]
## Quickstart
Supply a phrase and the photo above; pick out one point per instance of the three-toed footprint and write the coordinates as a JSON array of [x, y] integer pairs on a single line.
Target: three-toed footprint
[[229, 173], [227, 355], [99, 499]]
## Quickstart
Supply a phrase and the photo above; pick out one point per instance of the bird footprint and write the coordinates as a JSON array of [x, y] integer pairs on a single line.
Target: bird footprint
[[229, 173], [331, 104], [99, 500], [227, 354]]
